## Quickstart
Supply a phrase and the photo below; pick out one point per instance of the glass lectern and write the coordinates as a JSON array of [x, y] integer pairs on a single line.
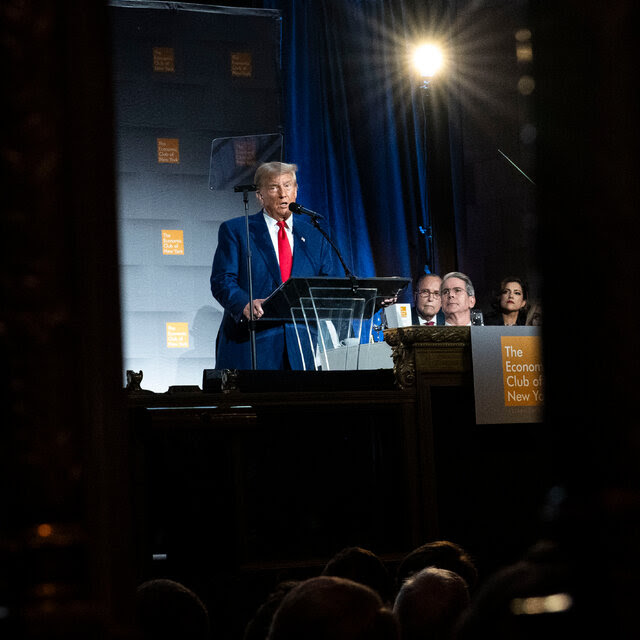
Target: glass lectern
[[332, 317]]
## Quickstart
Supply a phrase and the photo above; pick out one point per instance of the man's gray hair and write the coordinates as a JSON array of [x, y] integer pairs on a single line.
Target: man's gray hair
[[461, 276], [268, 169]]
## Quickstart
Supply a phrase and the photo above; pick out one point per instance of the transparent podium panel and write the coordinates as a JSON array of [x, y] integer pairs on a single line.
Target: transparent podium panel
[[278, 305], [326, 323], [307, 336], [363, 311], [333, 319]]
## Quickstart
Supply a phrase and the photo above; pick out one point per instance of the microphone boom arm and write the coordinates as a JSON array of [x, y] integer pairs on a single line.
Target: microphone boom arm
[[347, 271], [315, 217]]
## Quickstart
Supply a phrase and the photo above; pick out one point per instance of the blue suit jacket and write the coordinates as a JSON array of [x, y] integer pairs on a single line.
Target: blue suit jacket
[[276, 342]]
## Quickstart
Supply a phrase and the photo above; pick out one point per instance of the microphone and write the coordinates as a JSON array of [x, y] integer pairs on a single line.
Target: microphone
[[298, 208]]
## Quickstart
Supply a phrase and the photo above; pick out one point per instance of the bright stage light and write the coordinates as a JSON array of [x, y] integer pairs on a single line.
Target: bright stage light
[[428, 60]]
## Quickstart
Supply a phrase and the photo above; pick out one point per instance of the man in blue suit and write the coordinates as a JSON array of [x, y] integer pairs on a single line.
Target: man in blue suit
[[307, 253]]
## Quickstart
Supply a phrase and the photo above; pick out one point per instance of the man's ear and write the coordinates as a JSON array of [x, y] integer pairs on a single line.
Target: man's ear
[[472, 302]]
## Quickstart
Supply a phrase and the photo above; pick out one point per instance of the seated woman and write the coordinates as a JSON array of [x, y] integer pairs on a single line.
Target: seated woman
[[510, 305]]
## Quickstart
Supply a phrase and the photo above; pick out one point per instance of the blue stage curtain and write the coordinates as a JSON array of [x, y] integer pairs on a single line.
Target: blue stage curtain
[[354, 123]]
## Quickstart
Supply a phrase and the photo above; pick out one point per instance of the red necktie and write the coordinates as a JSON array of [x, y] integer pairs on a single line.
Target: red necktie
[[431, 323], [284, 251]]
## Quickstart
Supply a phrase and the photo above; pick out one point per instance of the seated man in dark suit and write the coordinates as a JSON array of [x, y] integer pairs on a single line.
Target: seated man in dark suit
[[426, 300]]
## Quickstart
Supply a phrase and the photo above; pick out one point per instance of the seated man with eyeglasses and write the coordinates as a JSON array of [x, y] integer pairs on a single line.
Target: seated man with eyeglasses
[[457, 297], [426, 300]]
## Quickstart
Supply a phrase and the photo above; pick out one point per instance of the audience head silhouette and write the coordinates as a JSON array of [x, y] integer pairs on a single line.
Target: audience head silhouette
[[258, 627], [442, 554], [332, 608], [430, 603], [363, 566], [167, 610]]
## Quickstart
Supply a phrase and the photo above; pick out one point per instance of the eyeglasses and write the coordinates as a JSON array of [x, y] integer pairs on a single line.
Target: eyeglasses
[[425, 293], [274, 188], [455, 291]]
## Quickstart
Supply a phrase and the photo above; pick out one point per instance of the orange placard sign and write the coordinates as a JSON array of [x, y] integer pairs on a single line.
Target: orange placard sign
[[241, 64], [164, 59], [169, 150], [172, 242], [177, 335], [522, 372]]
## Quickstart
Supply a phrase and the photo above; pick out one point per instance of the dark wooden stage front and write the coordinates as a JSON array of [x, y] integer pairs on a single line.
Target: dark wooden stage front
[[245, 486]]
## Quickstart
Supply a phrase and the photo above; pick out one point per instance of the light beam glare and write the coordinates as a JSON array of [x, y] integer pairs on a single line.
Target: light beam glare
[[428, 60]]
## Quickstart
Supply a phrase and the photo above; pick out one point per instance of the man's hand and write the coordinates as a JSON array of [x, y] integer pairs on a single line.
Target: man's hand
[[257, 309], [387, 302]]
